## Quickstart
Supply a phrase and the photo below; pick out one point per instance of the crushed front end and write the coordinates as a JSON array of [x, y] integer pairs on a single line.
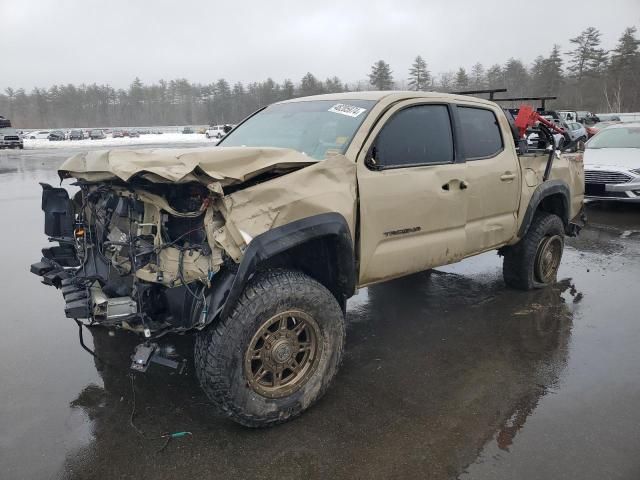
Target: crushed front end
[[155, 241], [135, 256], [149, 241]]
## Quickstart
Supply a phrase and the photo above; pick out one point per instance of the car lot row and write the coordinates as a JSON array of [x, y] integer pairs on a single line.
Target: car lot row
[[213, 131], [82, 134]]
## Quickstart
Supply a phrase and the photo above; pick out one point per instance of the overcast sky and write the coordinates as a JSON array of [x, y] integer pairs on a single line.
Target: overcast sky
[[112, 41]]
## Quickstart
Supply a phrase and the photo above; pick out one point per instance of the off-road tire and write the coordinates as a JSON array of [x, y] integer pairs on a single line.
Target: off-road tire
[[220, 350], [518, 267]]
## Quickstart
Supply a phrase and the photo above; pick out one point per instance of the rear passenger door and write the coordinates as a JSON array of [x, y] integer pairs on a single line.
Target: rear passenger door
[[411, 183], [493, 177]]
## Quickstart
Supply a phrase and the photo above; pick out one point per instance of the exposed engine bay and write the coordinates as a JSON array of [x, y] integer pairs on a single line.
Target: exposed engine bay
[[144, 257]]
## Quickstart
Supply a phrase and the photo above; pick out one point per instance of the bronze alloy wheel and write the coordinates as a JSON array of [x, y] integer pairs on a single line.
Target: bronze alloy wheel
[[283, 354], [548, 258]]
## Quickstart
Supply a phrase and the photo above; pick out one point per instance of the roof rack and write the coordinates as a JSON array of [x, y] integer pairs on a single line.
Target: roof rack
[[490, 91], [519, 99], [493, 91]]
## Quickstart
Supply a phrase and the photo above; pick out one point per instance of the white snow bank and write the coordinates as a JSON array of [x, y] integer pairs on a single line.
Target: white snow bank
[[149, 139]]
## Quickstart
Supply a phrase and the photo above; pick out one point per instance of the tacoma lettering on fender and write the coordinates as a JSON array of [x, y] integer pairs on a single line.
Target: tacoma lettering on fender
[[256, 245]]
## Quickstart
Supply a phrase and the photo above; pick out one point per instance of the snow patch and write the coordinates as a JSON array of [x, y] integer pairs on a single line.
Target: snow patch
[[149, 139]]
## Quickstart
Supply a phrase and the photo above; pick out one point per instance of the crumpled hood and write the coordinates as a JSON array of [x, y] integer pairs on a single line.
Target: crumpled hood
[[225, 165]]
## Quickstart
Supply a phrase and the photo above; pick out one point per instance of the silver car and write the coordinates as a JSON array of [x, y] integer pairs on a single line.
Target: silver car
[[612, 164], [576, 131]]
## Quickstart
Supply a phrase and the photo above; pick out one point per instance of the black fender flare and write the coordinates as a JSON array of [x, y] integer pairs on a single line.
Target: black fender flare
[[546, 189], [225, 293]]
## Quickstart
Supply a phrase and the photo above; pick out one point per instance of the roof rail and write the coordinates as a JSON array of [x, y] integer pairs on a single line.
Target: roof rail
[[520, 99], [493, 91], [490, 91]]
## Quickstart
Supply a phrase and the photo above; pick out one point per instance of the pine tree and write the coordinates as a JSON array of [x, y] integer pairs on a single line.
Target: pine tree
[[462, 80], [419, 76], [495, 77], [446, 81], [478, 79], [380, 75], [552, 77], [537, 74], [333, 85], [288, 90], [310, 85], [586, 58], [516, 77], [625, 57], [622, 93]]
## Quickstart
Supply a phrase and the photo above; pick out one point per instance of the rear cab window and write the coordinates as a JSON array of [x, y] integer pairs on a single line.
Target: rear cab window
[[479, 132]]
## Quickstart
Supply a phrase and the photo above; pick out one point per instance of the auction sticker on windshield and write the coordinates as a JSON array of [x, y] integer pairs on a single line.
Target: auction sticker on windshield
[[348, 110]]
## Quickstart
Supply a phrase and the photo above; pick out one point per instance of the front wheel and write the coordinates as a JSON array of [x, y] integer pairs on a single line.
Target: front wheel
[[533, 262], [276, 353]]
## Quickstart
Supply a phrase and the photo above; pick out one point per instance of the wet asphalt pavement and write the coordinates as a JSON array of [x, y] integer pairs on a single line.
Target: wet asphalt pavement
[[447, 374]]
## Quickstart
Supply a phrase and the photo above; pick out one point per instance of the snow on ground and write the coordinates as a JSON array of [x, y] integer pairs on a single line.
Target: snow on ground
[[154, 139]]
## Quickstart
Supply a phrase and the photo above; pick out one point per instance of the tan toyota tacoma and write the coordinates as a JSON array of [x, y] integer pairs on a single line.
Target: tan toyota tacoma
[[255, 245]]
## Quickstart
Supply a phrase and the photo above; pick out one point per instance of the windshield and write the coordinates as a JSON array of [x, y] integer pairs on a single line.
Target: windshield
[[317, 128], [623, 137]]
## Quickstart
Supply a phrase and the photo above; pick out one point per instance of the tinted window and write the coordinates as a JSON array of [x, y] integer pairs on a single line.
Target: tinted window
[[414, 136], [480, 132]]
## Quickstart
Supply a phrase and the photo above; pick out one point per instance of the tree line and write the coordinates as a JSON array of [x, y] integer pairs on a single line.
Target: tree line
[[586, 77]]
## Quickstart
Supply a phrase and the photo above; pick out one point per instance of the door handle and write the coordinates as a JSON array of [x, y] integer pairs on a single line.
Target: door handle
[[507, 177]]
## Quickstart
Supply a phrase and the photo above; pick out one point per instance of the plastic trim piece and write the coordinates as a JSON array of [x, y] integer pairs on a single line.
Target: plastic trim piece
[[548, 188], [281, 239]]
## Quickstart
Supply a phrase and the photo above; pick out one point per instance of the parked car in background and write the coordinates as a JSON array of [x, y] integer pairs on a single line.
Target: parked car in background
[[608, 117], [577, 131], [9, 138], [4, 122], [215, 131], [592, 130], [76, 135], [612, 164], [133, 134], [38, 135], [580, 116], [187, 130], [117, 134], [56, 136], [97, 134]]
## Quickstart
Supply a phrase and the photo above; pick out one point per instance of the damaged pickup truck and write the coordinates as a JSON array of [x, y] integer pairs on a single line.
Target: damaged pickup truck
[[255, 245]]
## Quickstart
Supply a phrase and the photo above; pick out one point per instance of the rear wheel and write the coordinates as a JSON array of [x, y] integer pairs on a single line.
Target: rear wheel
[[533, 262], [277, 352]]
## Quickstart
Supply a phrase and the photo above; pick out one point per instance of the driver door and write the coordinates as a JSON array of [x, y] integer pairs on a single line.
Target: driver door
[[413, 202]]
